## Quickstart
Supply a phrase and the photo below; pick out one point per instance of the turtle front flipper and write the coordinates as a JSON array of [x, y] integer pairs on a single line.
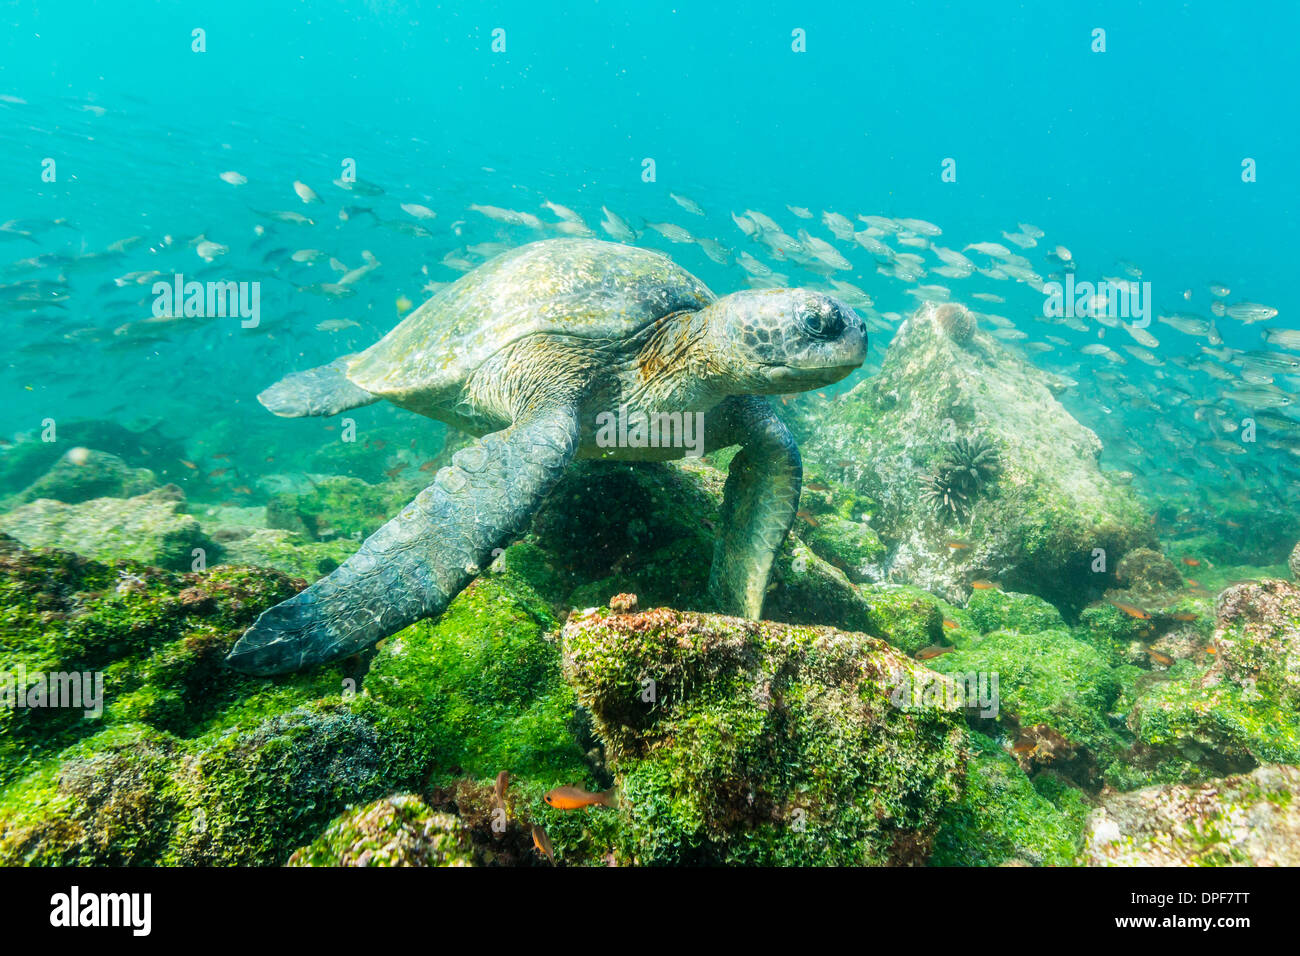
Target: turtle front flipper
[[323, 391], [415, 564], [758, 504]]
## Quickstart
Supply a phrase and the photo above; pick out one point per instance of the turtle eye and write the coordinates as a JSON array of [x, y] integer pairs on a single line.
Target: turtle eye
[[820, 320]]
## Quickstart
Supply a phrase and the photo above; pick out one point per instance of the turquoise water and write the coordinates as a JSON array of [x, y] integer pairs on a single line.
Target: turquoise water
[[1132, 155], [344, 161]]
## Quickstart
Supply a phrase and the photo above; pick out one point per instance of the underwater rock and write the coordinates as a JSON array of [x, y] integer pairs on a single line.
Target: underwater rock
[[977, 427], [183, 745], [1147, 570], [1054, 697], [336, 507], [645, 529], [286, 551], [156, 638], [852, 546], [807, 590], [298, 768], [151, 528], [648, 529], [1257, 641], [994, 610], [1294, 562], [396, 831], [1001, 819], [26, 460], [1237, 707], [906, 617], [105, 803], [1247, 820], [736, 741], [83, 473], [955, 321]]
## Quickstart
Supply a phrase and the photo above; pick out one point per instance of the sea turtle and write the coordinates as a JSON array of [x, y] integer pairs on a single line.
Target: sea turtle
[[536, 351]]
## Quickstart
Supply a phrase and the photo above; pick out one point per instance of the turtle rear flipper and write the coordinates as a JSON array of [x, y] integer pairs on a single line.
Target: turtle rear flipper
[[415, 564], [318, 391]]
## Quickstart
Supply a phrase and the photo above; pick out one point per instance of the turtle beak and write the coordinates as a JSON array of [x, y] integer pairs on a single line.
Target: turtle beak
[[837, 355]]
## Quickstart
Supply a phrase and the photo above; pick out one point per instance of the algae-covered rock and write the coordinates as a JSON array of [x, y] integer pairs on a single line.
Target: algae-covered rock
[[399, 830], [1246, 820], [1029, 505], [1147, 570], [336, 507], [287, 551], [1055, 695], [106, 802], [251, 796], [751, 742], [478, 690], [83, 473], [1001, 818], [1257, 640], [182, 747], [836, 524], [648, 529], [1235, 708], [1293, 563], [994, 610], [808, 590], [906, 617], [151, 528]]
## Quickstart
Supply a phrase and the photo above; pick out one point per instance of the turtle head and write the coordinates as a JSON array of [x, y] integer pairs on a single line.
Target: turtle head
[[785, 340]]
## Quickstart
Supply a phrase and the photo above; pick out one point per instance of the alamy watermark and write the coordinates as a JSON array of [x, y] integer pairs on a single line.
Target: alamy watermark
[[213, 300], [975, 691], [38, 690], [1118, 300], [638, 429]]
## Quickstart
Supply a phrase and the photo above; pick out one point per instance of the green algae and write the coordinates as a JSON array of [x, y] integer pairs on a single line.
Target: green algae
[[762, 744]]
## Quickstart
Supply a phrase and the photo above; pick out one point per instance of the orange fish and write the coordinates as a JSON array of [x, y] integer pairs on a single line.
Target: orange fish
[[950, 625], [543, 844], [575, 798], [1163, 659], [394, 472], [221, 457], [933, 651], [217, 472], [806, 516], [1183, 616], [817, 486], [242, 490], [982, 585], [190, 465], [429, 466], [1191, 562], [956, 545], [1211, 651], [1131, 610], [499, 788]]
